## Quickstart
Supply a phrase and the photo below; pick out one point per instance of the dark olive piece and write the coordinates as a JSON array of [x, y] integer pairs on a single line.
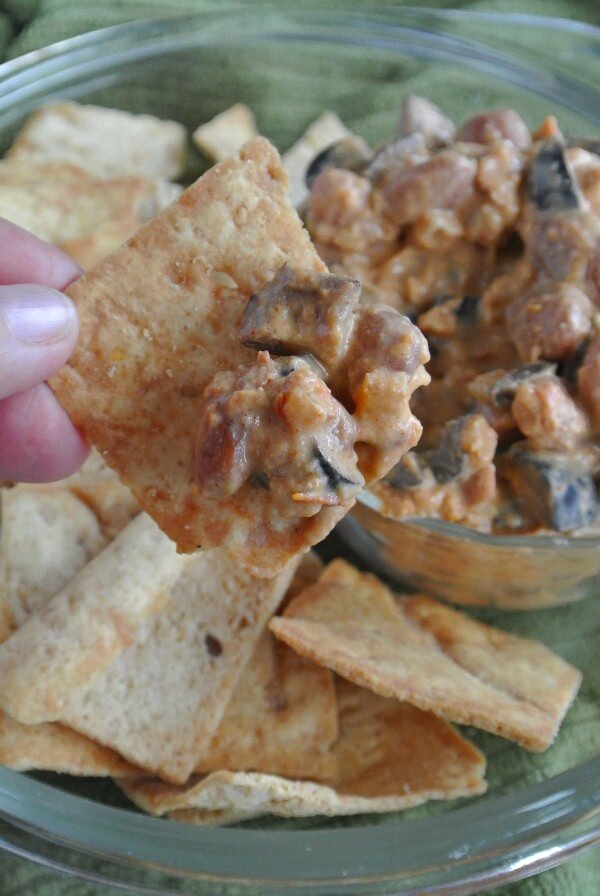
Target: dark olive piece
[[447, 458], [551, 488], [504, 389], [468, 310], [260, 480], [408, 473], [552, 186], [334, 477]]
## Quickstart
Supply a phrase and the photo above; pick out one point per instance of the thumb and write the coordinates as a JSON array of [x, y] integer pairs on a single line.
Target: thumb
[[38, 331]]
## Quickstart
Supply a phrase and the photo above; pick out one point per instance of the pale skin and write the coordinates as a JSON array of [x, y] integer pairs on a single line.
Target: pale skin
[[38, 332]]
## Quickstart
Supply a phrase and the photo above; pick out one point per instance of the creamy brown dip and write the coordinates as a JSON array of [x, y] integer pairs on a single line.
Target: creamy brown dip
[[488, 237]]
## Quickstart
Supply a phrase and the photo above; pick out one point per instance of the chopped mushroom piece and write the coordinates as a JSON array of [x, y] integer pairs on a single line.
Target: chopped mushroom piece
[[300, 313], [373, 356]]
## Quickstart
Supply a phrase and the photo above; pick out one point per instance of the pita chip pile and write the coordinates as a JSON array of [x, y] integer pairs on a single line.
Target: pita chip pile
[[85, 178], [163, 620]]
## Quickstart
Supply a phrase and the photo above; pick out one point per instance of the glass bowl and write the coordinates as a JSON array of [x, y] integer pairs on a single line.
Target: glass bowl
[[538, 811], [515, 572]]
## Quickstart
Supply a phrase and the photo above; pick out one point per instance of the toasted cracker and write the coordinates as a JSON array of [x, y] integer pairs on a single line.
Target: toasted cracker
[[47, 535], [226, 133], [282, 718], [64, 648], [59, 202], [324, 131], [435, 658], [158, 319], [55, 748], [104, 142], [160, 702], [389, 756]]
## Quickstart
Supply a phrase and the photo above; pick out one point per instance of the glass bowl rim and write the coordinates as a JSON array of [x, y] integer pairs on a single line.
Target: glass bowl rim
[[573, 812], [458, 532]]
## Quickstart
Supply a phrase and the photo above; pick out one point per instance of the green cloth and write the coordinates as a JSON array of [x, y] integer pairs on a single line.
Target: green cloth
[[39, 22], [6, 32]]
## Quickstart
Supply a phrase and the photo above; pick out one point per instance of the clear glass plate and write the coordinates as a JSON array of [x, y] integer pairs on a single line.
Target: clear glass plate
[[539, 810]]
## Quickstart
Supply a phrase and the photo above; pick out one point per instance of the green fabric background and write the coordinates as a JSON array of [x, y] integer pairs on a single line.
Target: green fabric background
[[28, 24]]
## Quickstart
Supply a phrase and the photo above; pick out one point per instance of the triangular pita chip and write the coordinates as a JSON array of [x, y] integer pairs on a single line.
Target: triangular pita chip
[[160, 702], [46, 536], [321, 133], [282, 718], [431, 656], [104, 142], [226, 133], [64, 648], [159, 318], [282, 715], [58, 201], [55, 748], [389, 756]]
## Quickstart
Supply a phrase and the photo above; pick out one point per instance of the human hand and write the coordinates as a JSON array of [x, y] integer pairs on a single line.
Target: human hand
[[38, 331]]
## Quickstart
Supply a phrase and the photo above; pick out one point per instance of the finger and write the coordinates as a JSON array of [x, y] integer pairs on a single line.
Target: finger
[[38, 331], [27, 259], [38, 442]]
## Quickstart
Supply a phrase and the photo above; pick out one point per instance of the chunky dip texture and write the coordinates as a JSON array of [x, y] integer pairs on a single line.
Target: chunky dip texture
[[488, 237]]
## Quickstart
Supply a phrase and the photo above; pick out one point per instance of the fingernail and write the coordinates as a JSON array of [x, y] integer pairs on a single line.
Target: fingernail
[[37, 315]]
